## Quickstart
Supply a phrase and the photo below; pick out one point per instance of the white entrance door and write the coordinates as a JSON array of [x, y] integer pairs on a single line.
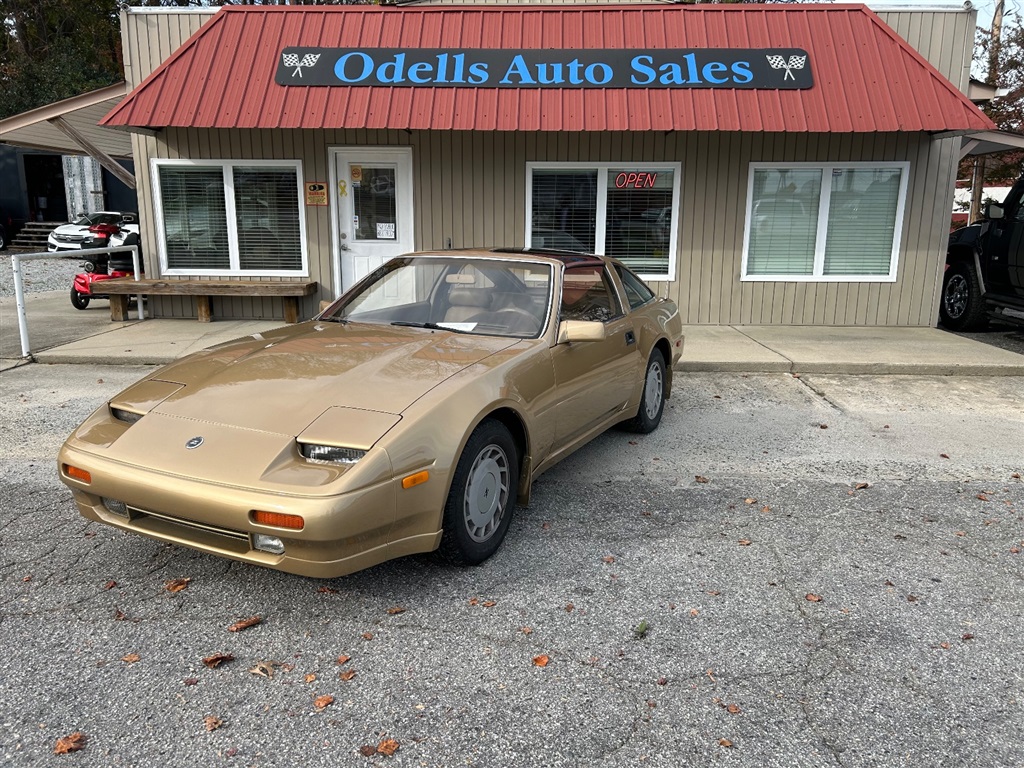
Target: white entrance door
[[374, 208]]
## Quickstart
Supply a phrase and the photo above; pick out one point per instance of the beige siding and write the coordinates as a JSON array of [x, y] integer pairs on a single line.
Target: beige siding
[[944, 38]]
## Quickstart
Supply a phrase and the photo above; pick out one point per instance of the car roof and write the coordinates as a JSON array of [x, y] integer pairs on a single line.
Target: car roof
[[549, 255]]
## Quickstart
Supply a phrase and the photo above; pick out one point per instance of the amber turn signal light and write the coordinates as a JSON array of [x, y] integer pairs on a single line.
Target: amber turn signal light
[[413, 480], [77, 474], [278, 520]]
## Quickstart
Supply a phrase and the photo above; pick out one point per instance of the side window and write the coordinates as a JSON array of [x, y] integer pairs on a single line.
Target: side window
[[586, 295], [637, 294]]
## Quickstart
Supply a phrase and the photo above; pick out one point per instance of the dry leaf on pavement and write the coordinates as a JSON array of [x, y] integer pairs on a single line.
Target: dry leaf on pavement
[[744, 542], [217, 659], [343, 659], [322, 702], [813, 598], [110, 584], [347, 675], [176, 585], [396, 610], [388, 747], [733, 709], [701, 479], [367, 751], [238, 626], [265, 668], [725, 743], [67, 744], [212, 723], [310, 678], [131, 658], [541, 661]]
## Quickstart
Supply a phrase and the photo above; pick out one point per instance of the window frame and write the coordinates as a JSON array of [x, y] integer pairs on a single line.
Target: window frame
[[227, 167], [601, 222], [818, 267]]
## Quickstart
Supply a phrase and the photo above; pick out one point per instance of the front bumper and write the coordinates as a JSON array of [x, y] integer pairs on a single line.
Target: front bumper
[[343, 533]]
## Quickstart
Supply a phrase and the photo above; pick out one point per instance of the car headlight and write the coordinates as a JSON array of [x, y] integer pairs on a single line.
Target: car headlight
[[330, 453], [128, 417]]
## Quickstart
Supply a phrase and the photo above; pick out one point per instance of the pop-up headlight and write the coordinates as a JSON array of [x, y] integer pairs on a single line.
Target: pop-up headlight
[[344, 435], [331, 453]]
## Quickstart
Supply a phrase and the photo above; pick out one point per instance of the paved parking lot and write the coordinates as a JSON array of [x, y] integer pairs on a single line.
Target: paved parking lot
[[815, 571]]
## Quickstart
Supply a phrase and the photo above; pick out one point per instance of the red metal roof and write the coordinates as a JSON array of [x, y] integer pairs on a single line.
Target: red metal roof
[[866, 78]]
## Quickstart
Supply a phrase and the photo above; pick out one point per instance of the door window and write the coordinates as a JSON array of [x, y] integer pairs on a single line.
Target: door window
[[375, 212]]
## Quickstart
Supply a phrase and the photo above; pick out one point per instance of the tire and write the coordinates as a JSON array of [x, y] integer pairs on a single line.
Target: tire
[[962, 307], [652, 401], [482, 497], [3, 240], [79, 300]]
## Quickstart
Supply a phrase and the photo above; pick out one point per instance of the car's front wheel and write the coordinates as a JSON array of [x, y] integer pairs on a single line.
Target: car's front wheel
[[962, 307], [79, 300], [483, 494], [652, 401]]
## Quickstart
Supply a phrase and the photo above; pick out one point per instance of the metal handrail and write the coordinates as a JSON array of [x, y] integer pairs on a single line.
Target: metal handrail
[[19, 290]]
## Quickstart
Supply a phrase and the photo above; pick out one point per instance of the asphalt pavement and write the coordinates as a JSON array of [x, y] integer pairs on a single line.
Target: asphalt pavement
[[812, 570]]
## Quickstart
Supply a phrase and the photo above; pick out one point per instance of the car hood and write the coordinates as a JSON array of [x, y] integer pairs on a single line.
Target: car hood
[[70, 229], [281, 381]]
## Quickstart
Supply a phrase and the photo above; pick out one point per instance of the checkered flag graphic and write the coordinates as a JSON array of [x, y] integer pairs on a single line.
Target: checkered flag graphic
[[795, 62], [292, 60]]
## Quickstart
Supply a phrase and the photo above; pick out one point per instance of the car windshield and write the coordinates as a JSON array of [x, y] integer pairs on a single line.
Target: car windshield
[[477, 295]]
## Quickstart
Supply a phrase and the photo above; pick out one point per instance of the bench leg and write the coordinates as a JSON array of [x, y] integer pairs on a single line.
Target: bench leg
[[118, 308], [203, 311], [291, 309]]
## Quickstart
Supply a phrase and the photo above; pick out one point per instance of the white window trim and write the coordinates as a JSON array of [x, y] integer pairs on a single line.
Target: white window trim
[[602, 204], [820, 238], [229, 201]]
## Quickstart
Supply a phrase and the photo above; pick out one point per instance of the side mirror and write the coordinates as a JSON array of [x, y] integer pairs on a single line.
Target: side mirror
[[580, 330], [993, 211]]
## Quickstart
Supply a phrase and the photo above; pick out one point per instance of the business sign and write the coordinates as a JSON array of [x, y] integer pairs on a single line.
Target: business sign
[[316, 193], [746, 68]]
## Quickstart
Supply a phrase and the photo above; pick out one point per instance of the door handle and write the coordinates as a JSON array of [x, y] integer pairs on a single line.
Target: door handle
[[630, 337]]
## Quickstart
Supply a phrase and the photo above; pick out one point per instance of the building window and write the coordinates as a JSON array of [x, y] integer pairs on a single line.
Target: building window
[[625, 210], [221, 217], [824, 222]]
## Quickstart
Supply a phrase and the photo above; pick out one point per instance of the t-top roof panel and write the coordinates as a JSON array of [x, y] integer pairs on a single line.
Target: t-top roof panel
[[865, 77]]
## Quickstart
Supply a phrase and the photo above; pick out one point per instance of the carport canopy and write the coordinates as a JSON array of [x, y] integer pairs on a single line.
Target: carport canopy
[[71, 127], [990, 142]]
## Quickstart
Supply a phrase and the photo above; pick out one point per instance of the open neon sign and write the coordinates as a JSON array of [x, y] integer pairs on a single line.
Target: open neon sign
[[635, 180]]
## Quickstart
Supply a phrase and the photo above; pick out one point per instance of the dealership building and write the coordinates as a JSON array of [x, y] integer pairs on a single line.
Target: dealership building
[[759, 164]]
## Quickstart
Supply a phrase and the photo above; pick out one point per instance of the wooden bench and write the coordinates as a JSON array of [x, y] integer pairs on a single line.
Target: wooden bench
[[121, 288]]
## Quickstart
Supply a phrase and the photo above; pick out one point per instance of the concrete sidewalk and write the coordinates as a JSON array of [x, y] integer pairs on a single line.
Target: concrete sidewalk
[[62, 336]]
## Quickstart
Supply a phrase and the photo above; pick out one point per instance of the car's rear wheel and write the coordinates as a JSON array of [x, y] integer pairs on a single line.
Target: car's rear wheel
[[79, 300], [962, 307], [652, 401], [482, 497]]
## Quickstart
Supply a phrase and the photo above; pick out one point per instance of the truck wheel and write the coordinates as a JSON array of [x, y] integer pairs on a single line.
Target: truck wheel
[[79, 300], [962, 307]]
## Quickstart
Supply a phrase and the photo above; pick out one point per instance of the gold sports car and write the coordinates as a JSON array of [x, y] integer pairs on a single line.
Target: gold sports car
[[412, 414]]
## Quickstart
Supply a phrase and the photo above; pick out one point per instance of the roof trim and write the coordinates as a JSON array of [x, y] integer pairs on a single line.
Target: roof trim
[[61, 108]]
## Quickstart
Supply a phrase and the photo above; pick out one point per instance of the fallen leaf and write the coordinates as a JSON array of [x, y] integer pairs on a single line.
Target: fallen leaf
[[322, 702], [231, 752], [265, 668], [176, 585], [899, 537], [347, 675], [131, 658], [701, 479], [911, 598], [367, 751], [944, 646], [633, 442], [889, 584], [733, 709], [396, 610], [212, 723], [119, 615], [191, 681], [343, 659], [750, 501], [982, 497], [713, 592], [388, 747], [694, 612], [608, 559], [68, 744], [766, 508], [217, 659], [310, 678], [711, 675], [862, 486], [1015, 475], [823, 426], [489, 603], [961, 534], [662, 681], [367, 635], [569, 607], [110, 584], [526, 630], [541, 661], [1014, 550], [943, 455], [725, 743], [26, 579], [238, 626], [474, 601], [327, 590], [967, 637], [744, 542], [546, 527], [811, 597]]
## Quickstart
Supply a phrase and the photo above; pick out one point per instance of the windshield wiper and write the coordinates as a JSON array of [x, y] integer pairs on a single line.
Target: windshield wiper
[[429, 326], [334, 319]]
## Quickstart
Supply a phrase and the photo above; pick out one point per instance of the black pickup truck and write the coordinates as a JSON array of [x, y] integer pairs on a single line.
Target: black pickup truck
[[985, 267]]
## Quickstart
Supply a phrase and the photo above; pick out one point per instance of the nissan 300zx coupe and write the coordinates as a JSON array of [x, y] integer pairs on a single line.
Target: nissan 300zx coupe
[[412, 414]]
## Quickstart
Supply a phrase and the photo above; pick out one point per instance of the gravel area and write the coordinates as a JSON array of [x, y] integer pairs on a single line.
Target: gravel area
[[40, 275]]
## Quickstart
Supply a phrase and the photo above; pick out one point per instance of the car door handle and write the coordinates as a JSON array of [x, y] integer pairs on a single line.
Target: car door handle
[[630, 337]]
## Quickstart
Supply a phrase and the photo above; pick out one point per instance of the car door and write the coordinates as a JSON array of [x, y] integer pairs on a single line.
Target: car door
[[594, 379], [1004, 248]]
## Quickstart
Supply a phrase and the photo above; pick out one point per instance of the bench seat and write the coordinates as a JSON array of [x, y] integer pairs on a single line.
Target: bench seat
[[289, 291]]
